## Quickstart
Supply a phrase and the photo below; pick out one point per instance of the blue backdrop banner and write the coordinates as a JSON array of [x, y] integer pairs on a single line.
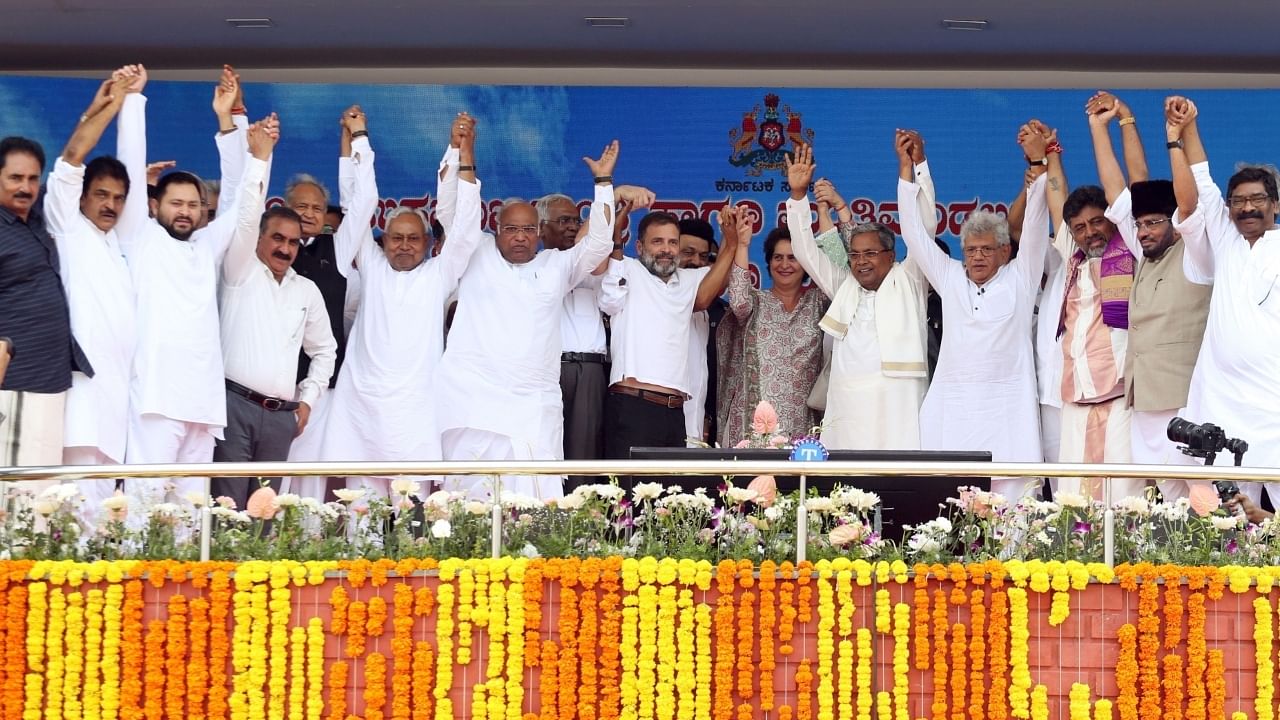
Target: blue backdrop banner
[[697, 148]]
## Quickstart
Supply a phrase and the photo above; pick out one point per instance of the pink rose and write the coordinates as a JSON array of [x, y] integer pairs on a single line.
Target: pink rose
[[226, 502], [765, 421], [766, 489], [744, 443]]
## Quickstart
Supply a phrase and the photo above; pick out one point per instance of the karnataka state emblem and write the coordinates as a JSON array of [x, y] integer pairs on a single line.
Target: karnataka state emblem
[[769, 133]]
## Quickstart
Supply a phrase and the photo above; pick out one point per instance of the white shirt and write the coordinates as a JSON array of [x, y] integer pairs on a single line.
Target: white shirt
[[501, 370], [983, 395], [178, 365], [581, 329], [265, 322], [100, 299], [1236, 381], [652, 322]]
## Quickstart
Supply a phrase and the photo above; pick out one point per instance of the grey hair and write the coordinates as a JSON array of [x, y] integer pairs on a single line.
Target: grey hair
[[213, 186], [986, 223], [1267, 167], [305, 179], [543, 205], [406, 210], [508, 204], [887, 239]]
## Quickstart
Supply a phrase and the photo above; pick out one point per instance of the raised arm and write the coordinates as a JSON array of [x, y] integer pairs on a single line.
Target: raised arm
[[827, 274], [354, 234], [131, 149], [1186, 151], [241, 259], [742, 296], [1056, 187], [714, 282], [66, 182], [921, 249], [1018, 207], [1101, 110], [447, 176], [926, 200], [590, 255], [232, 156], [1035, 235], [465, 234]]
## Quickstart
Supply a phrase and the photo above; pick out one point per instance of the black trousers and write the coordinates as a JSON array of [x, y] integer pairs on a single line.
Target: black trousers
[[632, 422], [253, 434], [582, 387]]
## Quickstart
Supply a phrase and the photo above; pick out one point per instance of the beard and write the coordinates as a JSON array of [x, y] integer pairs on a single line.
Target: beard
[[176, 234], [662, 266]]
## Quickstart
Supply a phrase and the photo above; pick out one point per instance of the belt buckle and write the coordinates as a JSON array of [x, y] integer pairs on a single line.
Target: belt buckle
[[671, 402], [271, 403]]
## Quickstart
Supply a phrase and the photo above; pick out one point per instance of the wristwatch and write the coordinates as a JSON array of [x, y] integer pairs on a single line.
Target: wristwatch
[[1174, 144], [1041, 161]]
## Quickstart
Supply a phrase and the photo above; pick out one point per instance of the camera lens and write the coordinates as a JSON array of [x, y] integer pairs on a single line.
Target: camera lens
[[1182, 431]]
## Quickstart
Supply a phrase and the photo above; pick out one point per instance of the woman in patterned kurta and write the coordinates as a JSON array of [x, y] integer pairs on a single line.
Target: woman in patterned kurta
[[769, 344]]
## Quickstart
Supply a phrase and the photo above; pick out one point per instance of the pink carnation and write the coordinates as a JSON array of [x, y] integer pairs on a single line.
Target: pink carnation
[[765, 421]]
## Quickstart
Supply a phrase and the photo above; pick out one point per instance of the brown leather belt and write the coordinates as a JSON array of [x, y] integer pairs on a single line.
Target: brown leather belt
[[666, 400]]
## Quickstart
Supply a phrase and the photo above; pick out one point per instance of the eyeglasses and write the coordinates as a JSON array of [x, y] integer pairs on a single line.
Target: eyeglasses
[[518, 229], [1149, 224], [866, 255], [1236, 202], [1092, 223], [979, 251], [567, 220]]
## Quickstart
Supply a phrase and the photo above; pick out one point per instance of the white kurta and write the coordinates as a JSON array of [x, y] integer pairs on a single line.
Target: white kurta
[[501, 371], [866, 409], [178, 364], [100, 298], [383, 407], [983, 395], [1236, 381], [695, 410]]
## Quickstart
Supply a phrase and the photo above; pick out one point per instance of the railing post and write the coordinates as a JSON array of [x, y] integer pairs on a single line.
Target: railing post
[[206, 521], [1108, 526], [802, 523], [495, 549]]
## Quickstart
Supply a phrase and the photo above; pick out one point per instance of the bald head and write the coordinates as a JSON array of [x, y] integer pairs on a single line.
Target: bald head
[[517, 232]]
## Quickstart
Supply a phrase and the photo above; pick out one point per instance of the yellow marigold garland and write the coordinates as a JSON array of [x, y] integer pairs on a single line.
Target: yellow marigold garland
[[865, 697], [444, 645], [1019, 636], [1078, 705], [315, 670], [826, 643], [901, 661], [55, 664], [112, 645], [1263, 635]]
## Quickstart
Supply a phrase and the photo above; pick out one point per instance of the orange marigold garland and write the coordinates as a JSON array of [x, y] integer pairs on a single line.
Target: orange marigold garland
[[610, 626], [357, 622], [338, 691], [219, 643], [804, 583], [15, 652], [197, 668], [1173, 691], [1172, 608], [1127, 672], [423, 663], [787, 610], [959, 673], [977, 656], [588, 637], [1148, 648], [533, 611], [568, 661], [768, 620], [938, 710], [131, 651], [153, 688], [376, 622], [1216, 704], [175, 690], [375, 685], [402, 652], [746, 645], [340, 604], [804, 691], [921, 628], [1196, 657], [723, 705], [549, 683]]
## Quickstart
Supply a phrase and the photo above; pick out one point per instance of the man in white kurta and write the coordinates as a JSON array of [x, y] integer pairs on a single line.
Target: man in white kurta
[[872, 403], [498, 387], [99, 296], [983, 395], [1236, 381], [383, 407], [177, 395]]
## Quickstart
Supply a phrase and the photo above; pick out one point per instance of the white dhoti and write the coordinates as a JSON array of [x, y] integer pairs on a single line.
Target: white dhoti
[[31, 434], [873, 412], [1152, 446], [94, 491], [471, 444], [155, 439], [1098, 433]]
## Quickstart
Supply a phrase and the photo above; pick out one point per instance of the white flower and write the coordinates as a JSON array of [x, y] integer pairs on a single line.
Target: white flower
[[646, 491], [687, 500], [1072, 500], [820, 505], [287, 500], [475, 507], [573, 501], [404, 486], [854, 498], [1134, 505], [439, 499], [44, 506], [521, 502], [230, 514], [1229, 522], [164, 510], [606, 491], [116, 502], [529, 551], [441, 529], [773, 512], [1173, 512], [741, 495], [310, 504], [198, 499], [348, 495], [923, 543]]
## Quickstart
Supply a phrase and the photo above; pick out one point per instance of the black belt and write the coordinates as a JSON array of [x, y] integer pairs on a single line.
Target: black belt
[[582, 357], [665, 400], [265, 401]]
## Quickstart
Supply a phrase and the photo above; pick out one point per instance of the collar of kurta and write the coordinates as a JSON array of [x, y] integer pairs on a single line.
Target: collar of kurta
[[1116, 280]]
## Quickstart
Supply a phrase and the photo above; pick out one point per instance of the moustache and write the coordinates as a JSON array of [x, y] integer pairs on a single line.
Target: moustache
[[107, 213], [23, 195], [281, 256], [1251, 215]]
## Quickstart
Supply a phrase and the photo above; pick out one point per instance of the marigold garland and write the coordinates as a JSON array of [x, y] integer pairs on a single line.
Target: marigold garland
[[549, 686], [977, 655], [131, 645], [865, 698], [1040, 703], [197, 669], [804, 691], [423, 679], [376, 616], [665, 686], [901, 661], [219, 643], [921, 599], [297, 671], [746, 645], [826, 643], [1172, 608], [1019, 636], [15, 650], [153, 687], [375, 685], [845, 679], [55, 664], [610, 608], [73, 667], [93, 639], [1197, 692], [533, 610], [1078, 705], [315, 670], [767, 621], [1216, 703], [722, 708], [1148, 648], [444, 646], [1127, 672], [338, 691], [339, 604], [938, 710], [112, 620], [466, 595], [1263, 635], [568, 660], [959, 672], [402, 651], [175, 688]]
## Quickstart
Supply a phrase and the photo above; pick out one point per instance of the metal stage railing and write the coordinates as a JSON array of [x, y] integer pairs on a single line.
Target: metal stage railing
[[737, 468]]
